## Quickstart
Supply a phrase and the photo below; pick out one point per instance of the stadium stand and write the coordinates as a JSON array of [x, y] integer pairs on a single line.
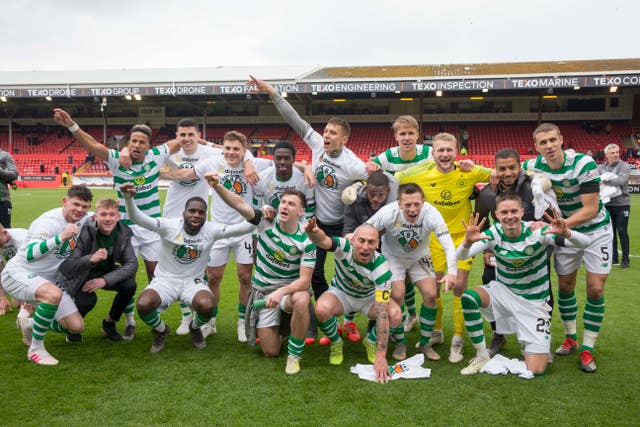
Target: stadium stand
[[52, 148]]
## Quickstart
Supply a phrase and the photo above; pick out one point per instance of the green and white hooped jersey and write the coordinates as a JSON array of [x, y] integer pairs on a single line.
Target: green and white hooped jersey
[[391, 161], [355, 279], [279, 256], [181, 191], [522, 262], [269, 189], [35, 256], [577, 169], [144, 176]]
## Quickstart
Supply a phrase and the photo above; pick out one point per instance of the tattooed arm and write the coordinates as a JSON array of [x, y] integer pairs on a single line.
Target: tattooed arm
[[380, 366]]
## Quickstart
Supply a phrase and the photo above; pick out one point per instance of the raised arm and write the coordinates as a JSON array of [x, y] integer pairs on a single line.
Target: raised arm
[[39, 248], [94, 147], [558, 226], [317, 236], [285, 109], [231, 199], [136, 215], [473, 242]]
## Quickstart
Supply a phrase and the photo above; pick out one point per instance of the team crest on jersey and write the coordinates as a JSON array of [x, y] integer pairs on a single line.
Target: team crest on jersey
[[326, 176], [293, 250], [528, 250], [191, 183], [461, 183], [446, 194], [275, 200], [234, 184], [66, 248], [139, 180], [185, 254], [517, 263], [409, 239], [366, 282], [9, 252]]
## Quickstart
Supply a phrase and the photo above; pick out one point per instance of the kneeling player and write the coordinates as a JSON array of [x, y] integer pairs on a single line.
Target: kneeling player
[[186, 243], [407, 225], [284, 265], [361, 283], [519, 297]]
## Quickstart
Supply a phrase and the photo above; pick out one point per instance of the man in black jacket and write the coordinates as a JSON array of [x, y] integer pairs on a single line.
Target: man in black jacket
[[102, 259], [369, 200]]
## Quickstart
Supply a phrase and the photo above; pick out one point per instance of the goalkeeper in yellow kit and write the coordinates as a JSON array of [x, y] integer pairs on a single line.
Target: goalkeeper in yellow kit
[[448, 188]]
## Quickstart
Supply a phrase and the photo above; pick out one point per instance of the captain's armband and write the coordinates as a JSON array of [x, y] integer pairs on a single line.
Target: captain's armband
[[383, 296]]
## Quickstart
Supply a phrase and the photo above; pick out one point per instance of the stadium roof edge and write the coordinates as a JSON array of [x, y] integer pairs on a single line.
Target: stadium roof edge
[[479, 70], [156, 75], [319, 73]]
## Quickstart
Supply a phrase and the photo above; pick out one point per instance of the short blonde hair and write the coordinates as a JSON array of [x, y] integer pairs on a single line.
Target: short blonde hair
[[444, 136], [106, 203], [405, 120]]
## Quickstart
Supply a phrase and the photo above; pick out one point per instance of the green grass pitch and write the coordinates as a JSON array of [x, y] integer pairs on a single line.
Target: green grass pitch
[[104, 383]]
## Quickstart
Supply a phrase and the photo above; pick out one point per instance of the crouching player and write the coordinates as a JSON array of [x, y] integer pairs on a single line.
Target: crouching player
[[30, 275], [361, 284], [285, 258], [185, 246], [407, 225], [519, 297]]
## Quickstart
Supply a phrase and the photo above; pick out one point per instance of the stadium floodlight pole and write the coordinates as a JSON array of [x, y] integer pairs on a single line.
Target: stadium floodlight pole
[[103, 110], [204, 125]]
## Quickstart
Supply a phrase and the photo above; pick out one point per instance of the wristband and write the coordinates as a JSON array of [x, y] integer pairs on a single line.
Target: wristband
[[74, 128]]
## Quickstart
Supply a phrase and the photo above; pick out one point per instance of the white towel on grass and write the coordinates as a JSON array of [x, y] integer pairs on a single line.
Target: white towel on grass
[[410, 368], [500, 365]]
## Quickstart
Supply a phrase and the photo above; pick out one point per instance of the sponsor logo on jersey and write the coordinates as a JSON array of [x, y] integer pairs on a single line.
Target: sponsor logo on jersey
[[558, 191], [279, 255], [326, 176], [139, 180], [517, 263], [185, 254]]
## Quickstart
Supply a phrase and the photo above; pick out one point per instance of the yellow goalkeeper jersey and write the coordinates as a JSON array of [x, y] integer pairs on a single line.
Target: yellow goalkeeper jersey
[[448, 192]]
